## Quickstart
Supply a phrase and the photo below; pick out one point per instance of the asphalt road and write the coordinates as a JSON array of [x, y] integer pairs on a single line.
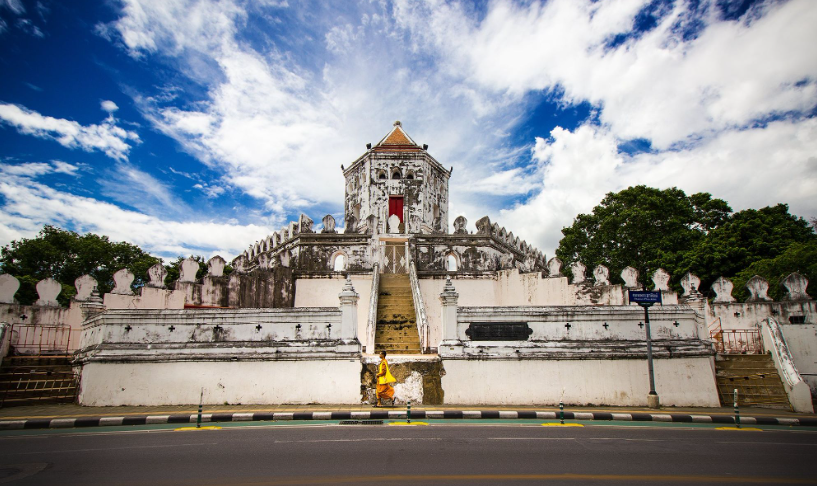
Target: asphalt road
[[435, 454]]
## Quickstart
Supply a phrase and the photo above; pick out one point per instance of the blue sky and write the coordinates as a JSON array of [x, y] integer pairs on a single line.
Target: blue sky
[[199, 127]]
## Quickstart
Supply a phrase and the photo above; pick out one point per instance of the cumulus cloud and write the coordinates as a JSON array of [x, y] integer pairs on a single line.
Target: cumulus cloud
[[113, 141], [749, 168], [278, 130], [722, 108], [28, 204], [109, 106], [658, 86]]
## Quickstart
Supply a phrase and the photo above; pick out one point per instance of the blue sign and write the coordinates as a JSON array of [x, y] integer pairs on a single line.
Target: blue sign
[[644, 297]]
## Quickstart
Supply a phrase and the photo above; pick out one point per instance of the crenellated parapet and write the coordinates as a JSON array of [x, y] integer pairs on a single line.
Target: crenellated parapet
[[307, 250], [490, 249]]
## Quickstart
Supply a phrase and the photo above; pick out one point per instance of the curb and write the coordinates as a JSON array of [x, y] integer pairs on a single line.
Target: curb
[[56, 423]]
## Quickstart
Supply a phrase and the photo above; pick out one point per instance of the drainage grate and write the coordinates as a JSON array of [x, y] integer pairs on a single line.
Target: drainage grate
[[361, 422]]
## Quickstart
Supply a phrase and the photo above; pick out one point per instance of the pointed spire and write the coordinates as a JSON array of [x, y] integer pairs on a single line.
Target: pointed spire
[[397, 139]]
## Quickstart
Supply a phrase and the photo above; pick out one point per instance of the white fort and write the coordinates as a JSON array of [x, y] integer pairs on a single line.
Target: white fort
[[467, 317]]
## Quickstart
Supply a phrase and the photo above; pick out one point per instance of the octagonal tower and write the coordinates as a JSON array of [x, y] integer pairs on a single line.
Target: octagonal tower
[[397, 177]]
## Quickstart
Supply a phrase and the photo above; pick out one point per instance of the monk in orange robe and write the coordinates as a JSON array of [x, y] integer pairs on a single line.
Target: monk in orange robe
[[384, 381]]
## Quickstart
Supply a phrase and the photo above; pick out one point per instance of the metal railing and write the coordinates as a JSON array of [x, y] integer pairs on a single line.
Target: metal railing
[[371, 323], [738, 341], [419, 308], [43, 339]]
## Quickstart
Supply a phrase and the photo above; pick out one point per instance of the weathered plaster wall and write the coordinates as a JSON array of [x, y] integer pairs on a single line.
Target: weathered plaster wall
[[23, 339], [256, 382], [370, 181], [473, 291], [801, 340], [42, 315], [683, 382], [746, 315], [323, 292], [149, 298]]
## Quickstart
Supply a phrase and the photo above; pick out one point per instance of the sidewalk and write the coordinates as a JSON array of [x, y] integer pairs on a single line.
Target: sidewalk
[[72, 415]]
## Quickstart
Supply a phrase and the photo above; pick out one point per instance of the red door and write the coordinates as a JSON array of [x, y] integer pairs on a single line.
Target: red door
[[396, 206]]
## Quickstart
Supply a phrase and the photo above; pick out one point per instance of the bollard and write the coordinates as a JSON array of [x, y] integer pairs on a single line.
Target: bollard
[[561, 412], [737, 411], [198, 417], [408, 411]]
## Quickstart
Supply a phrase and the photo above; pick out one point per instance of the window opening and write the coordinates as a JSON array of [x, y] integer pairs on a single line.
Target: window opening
[[451, 263], [340, 263]]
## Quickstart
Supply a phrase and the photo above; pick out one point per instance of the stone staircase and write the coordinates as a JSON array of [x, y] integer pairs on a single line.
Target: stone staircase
[[396, 331], [755, 378], [29, 380]]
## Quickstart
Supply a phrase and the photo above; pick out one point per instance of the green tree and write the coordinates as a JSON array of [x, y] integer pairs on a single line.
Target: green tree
[[65, 255], [798, 257], [747, 237], [642, 227]]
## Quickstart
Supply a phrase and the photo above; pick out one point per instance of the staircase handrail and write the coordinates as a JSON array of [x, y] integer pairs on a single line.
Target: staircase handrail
[[419, 307], [775, 343], [713, 330], [371, 323], [5, 339]]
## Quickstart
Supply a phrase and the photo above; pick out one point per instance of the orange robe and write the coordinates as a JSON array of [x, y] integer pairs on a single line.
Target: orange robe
[[384, 388]]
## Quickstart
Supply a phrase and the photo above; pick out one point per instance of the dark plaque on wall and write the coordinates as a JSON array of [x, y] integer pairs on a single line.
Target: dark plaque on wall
[[498, 331]]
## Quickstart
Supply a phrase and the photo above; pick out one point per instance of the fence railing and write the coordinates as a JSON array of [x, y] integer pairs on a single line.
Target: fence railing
[[371, 320], [738, 341], [419, 308], [42, 339]]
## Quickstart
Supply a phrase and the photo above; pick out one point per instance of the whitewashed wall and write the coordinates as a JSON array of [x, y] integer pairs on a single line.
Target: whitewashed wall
[[323, 292], [682, 382], [801, 340], [746, 315], [148, 298], [255, 382]]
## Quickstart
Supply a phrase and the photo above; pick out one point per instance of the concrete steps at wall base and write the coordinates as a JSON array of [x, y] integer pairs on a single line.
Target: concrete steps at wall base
[[396, 329], [756, 379], [28, 380]]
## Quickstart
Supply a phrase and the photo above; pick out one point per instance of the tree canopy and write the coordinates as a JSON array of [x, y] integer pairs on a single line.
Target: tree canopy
[[65, 255], [648, 228]]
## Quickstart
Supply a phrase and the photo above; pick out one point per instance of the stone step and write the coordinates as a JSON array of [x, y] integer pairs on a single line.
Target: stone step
[[731, 365], [397, 348], [24, 402], [755, 378], [396, 316], [396, 330], [743, 357], [408, 331]]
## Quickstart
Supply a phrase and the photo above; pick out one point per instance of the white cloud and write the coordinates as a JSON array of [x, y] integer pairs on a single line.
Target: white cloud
[[461, 81], [64, 167], [15, 6], [658, 86], [279, 132], [748, 168], [109, 106], [36, 169], [129, 185], [107, 137], [27, 205]]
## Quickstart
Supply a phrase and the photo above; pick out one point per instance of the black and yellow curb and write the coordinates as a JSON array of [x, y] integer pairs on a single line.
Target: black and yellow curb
[[55, 423]]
